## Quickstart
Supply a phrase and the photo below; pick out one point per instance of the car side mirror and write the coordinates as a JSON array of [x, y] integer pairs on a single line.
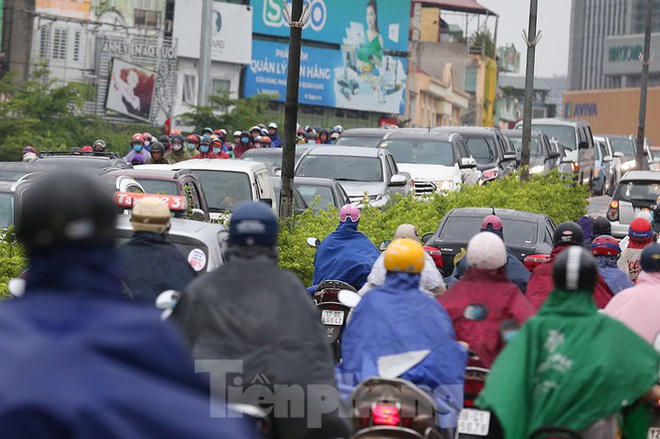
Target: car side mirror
[[426, 237], [398, 180], [583, 145], [554, 155], [197, 214], [467, 163], [510, 156], [608, 158], [618, 154], [313, 241], [267, 201]]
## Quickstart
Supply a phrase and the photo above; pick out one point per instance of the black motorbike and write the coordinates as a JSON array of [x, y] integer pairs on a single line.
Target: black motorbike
[[335, 300]]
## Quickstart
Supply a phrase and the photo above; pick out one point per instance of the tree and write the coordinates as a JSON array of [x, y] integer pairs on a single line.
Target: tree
[[484, 40]]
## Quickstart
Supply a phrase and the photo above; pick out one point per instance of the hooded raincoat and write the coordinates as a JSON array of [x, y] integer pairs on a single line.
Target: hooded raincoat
[[561, 370], [514, 269], [80, 361], [397, 318], [541, 284], [616, 279], [346, 255], [503, 300]]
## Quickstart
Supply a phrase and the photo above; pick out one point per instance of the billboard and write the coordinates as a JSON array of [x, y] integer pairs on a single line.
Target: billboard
[[376, 24], [330, 78], [231, 35], [130, 90], [622, 52]]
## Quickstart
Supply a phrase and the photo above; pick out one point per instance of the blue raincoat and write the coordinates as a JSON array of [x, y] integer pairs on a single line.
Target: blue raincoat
[[81, 361], [616, 279], [396, 318], [346, 255]]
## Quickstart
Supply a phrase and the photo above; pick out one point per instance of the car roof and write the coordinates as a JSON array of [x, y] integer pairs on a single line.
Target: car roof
[[355, 151], [366, 132], [502, 213], [80, 160], [558, 121], [150, 174], [314, 181], [420, 133], [220, 165], [518, 133], [264, 151], [641, 175], [466, 130]]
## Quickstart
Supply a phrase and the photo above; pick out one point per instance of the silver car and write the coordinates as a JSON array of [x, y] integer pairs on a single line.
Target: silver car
[[637, 191]]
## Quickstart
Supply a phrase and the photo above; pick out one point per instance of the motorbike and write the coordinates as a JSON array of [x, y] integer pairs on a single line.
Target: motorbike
[[393, 408]]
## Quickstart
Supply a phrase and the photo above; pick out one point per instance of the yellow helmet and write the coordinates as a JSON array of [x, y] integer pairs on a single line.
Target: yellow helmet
[[150, 214], [405, 255]]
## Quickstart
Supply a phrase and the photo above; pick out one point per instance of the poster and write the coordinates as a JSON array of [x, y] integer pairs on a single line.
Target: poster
[[130, 90]]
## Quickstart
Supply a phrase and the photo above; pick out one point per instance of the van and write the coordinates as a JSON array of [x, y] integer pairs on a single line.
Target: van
[[578, 142]]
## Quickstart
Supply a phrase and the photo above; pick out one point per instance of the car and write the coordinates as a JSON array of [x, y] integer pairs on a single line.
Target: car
[[122, 183], [15, 171], [272, 157], [625, 147], [636, 191], [228, 182], [577, 139], [12, 194], [607, 167], [328, 191], [495, 156], [368, 175], [299, 204], [543, 157], [171, 182], [525, 233], [369, 137], [92, 164], [437, 162]]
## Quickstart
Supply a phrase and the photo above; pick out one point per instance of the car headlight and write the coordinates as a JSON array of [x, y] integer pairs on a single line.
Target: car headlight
[[536, 169], [445, 185]]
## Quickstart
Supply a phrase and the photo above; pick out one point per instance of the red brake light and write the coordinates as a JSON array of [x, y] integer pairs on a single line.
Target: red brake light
[[613, 211], [386, 415], [533, 261], [471, 389], [435, 254], [576, 166]]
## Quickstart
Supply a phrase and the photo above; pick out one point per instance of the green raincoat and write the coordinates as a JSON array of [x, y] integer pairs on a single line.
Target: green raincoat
[[569, 366]]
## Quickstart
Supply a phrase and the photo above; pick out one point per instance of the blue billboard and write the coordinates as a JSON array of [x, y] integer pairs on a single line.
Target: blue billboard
[[330, 78], [378, 24]]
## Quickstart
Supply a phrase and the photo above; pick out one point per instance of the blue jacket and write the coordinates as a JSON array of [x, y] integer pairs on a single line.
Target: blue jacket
[[79, 360], [616, 279], [275, 141], [345, 255], [515, 270], [396, 318]]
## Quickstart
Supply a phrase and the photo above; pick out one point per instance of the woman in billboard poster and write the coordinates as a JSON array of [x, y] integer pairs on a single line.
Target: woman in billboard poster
[[371, 53], [136, 88]]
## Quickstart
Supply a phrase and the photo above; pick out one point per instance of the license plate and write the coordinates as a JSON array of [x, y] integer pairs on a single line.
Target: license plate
[[475, 422], [654, 433], [335, 318]]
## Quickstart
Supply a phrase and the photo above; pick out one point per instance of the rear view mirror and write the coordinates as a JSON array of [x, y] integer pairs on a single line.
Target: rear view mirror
[[583, 145], [618, 154], [398, 180], [197, 215], [553, 155], [510, 156], [313, 241], [467, 163], [426, 237], [348, 298], [607, 158]]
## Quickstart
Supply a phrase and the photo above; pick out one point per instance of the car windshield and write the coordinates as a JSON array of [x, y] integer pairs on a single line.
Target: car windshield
[[160, 187], [638, 190], [358, 141], [224, 189], [482, 149], [310, 193], [6, 210], [624, 146], [341, 167], [269, 159], [426, 152], [517, 233], [564, 133], [534, 149]]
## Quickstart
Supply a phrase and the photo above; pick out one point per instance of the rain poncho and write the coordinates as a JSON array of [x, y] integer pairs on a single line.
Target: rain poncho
[[80, 361], [561, 369], [430, 280], [616, 279], [346, 255], [397, 318]]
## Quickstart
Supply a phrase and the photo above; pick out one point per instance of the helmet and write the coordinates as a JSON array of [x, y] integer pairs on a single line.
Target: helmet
[[349, 212], [492, 223], [192, 139], [58, 212], [568, 233], [640, 230], [150, 214], [87, 148], [601, 226], [255, 128], [650, 258], [29, 149], [272, 125], [157, 147], [406, 231], [486, 251], [176, 137], [147, 136], [265, 140], [137, 137], [164, 139], [253, 224], [605, 245], [99, 144], [175, 131], [222, 131], [29, 156], [312, 134], [75, 150], [647, 215], [210, 130], [575, 270], [339, 129], [237, 134], [404, 255]]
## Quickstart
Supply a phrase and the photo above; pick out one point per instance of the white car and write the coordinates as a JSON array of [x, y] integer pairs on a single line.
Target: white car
[[636, 191]]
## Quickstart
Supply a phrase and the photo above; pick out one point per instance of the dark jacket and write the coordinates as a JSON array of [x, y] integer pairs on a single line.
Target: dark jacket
[[251, 311], [79, 360], [152, 265], [514, 269], [275, 141], [173, 156], [240, 149], [160, 161]]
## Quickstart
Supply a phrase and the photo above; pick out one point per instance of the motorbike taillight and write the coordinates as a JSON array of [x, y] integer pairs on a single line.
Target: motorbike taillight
[[385, 414], [471, 389]]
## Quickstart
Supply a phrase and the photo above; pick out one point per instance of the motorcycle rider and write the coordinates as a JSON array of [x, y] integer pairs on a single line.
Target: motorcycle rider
[[397, 331], [431, 281], [265, 320], [560, 369], [167, 269], [601, 226], [166, 141], [78, 358], [216, 149], [243, 145], [541, 282], [205, 149], [178, 152], [606, 250], [640, 234], [99, 145], [138, 152], [486, 288], [345, 254], [192, 143], [275, 140], [157, 154], [637, 306]]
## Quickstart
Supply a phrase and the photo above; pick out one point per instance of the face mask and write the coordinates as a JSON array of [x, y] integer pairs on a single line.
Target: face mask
[[217, 150], [311, 141], [245, 139], [177, 146], [191, 146], [138, 148], [204, 148]]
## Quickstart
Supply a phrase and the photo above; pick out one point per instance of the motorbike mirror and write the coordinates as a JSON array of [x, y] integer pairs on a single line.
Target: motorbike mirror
[[348, 298], [477, 312], [16, 287], [313, 241], [167, 299], [383, 245]]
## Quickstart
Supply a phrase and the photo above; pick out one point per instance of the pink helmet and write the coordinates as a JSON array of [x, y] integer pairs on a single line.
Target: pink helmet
[[493, 221], [349, 212]]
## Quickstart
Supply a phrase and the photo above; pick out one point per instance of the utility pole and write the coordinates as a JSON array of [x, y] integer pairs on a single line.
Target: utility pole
[[204, 67], [645, 59], [296, 22], [531, 39]]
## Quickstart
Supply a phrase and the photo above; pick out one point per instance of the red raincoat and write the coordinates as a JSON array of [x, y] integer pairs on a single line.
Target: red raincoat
[[541, 284], [504, 302]]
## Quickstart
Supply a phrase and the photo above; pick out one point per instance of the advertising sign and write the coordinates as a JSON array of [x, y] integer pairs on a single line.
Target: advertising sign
[[622, 52], [377, 24], [130, 90], [231, 35], [330, 78]]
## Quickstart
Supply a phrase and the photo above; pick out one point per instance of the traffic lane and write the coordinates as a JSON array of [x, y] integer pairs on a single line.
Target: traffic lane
[[598, 206]]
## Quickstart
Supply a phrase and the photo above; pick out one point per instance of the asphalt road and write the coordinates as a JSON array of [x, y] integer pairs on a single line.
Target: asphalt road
[[598, 206]]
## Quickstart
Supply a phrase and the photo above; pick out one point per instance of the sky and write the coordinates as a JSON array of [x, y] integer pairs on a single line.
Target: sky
[[554, 19]]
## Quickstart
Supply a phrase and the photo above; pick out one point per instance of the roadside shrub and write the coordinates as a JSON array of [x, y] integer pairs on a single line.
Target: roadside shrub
[[12, 260]]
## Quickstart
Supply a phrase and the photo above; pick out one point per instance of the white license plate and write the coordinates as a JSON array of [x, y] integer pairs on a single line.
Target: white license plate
[[474, 422], [330, 317], [654, 433]]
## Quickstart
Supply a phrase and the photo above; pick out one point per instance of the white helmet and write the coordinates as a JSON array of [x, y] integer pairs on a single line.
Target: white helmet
[[486, 251]]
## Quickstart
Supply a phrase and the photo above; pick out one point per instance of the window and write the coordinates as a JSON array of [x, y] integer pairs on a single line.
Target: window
[[44, 42], [189, 89], [482, 149], [517, 232], [60, 39], [341, 168], [224, 189], [220, 87], [76, 46], [146, 13], [428, 152]]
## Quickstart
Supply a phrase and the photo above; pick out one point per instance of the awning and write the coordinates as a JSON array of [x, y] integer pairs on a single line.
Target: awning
[[470, 6]]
